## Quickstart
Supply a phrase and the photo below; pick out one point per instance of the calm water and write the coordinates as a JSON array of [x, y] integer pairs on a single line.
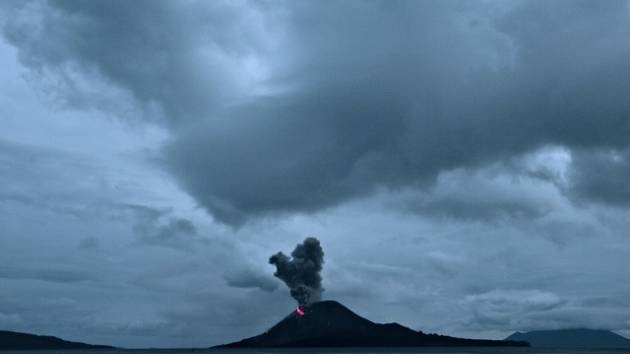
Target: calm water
[[339, 351]]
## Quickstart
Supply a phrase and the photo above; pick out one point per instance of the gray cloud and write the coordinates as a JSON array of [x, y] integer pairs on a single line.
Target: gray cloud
[[250, 279], [601, 176], [157, 227], [59, 275], [88, 243], [141, 48], [353, 102], [491, 193], [402, 115], [501, 301]]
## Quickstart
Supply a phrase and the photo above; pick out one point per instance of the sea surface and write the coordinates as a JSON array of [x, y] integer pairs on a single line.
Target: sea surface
[[336, 351]]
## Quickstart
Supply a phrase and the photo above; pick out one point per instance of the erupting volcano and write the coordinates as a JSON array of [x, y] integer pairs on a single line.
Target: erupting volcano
[[317, 323], [330, 324]]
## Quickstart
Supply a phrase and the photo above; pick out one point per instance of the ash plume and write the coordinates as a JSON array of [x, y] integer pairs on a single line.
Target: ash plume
[[301, 271]]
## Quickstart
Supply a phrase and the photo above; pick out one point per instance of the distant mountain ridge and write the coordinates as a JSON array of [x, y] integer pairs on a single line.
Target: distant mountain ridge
[[330, 324], [572, 338], [10, 340]]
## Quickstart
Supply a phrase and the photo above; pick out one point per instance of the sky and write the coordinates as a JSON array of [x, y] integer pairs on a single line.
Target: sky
[[465, 165]]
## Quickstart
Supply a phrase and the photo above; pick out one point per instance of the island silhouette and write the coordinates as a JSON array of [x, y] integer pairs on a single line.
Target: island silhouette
[[10, 340], [572, 338]]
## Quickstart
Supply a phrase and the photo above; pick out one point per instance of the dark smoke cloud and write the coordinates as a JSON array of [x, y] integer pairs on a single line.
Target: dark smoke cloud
[[301, 273]]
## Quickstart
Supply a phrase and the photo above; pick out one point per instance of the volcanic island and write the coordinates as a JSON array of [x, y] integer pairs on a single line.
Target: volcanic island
[[318, 323], [331, 324]]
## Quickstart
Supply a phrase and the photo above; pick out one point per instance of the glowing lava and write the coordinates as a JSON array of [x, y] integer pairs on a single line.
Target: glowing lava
[[299, 311]]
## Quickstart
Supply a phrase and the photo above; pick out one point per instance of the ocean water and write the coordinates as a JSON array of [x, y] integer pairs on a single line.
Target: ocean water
[[337, 351]]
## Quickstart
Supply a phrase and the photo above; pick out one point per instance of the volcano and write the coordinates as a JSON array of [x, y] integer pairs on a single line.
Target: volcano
[[331, 324]]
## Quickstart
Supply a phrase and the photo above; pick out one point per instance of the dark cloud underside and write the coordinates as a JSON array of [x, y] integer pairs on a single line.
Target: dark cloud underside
[[357, 95]]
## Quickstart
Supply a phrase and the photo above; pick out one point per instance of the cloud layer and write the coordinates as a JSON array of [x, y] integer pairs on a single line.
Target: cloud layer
[[300, 107]]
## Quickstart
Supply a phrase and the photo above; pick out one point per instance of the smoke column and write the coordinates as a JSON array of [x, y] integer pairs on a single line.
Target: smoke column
[[301, 272]]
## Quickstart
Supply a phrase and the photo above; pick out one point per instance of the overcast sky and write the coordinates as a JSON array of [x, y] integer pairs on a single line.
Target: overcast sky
[[464, 164]]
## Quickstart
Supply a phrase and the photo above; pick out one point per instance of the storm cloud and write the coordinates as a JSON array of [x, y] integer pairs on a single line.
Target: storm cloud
[[374, 108], [299, 118]]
